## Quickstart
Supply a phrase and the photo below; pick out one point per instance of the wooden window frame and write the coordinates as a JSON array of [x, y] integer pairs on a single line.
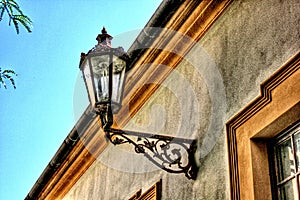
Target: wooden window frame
[[275, 109], [153, 193]]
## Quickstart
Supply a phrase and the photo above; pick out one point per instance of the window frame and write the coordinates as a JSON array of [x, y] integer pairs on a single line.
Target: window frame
[[287, 134], [153, 193]]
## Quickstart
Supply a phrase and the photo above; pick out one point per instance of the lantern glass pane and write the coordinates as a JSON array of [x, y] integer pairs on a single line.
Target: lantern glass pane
[[119, 66], [100, 68], [87, 76]]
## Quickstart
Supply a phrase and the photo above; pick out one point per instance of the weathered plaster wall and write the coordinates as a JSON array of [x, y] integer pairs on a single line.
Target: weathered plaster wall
[[250, 42], [223, 73]]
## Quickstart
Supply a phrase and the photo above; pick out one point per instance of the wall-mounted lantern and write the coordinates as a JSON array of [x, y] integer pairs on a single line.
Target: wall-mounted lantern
[[103, 69]]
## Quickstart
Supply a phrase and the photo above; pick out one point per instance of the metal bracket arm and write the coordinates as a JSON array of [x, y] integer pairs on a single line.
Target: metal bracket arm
[[172, 154]]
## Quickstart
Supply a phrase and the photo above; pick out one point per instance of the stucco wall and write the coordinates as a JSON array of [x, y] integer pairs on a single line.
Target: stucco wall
[[222, 73], [250, 42]]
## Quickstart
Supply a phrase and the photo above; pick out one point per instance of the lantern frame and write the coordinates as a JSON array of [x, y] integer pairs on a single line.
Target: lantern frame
[[105, 83]]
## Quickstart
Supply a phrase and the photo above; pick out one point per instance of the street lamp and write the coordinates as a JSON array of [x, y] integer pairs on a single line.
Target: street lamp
[[103, 69]]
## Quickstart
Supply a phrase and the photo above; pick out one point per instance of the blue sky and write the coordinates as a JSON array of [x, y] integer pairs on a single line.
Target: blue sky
[[38, 115]]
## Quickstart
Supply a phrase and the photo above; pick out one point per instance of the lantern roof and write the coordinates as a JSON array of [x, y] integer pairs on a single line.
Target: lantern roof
[[104, 46]]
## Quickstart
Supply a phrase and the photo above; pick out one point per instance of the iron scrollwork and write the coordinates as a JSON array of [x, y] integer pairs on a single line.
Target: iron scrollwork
[[172, 154]]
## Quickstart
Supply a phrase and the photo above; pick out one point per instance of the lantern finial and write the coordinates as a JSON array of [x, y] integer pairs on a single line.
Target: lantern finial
[[104, 30], [104, 38]]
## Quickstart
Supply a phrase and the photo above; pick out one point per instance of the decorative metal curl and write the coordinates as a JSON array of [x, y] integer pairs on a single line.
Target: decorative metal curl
[[172, 154]]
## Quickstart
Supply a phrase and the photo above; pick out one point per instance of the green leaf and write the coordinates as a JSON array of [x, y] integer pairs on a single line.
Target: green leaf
[[15, 15], [10, 9], [25, 21], [3, 83], [16, 25], [13, 4], [9, 71], [11, 80], [2, 9], [7, 74]]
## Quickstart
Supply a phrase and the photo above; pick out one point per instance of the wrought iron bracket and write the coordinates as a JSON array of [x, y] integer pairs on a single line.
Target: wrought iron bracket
[[172, 154]]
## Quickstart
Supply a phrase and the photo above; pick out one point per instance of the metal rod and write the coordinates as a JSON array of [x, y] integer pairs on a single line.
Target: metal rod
[[150, 135]]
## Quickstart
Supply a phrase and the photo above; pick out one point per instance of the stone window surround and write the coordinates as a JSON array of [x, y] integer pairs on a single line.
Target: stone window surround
[[275, 109]]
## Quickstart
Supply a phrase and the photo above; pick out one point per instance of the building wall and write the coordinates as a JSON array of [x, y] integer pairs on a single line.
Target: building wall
[[221, 75]]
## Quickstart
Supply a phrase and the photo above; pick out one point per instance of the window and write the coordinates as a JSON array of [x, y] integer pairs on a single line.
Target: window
[[153, 193], [250, 130], [285, 164]]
